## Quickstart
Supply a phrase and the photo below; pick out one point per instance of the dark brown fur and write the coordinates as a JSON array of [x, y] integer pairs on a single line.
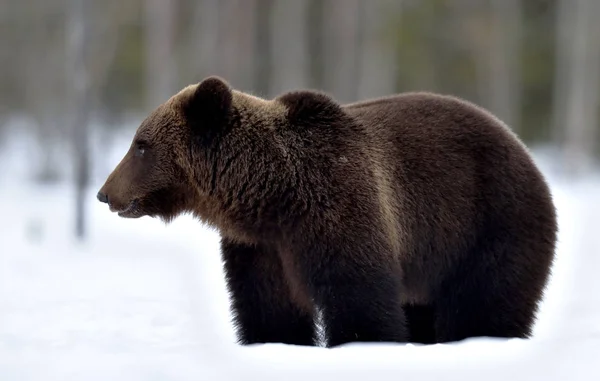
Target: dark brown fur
[[415, 217]]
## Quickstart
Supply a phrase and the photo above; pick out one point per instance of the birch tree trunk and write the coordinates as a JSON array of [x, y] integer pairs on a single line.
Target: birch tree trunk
[[236, 42], [504, 97], [565, 20], [204, 39], [289, 68], [315, 29], [160, 53], [45, 94], [577, 87], [497, 56], [78, 38], [342, 48], [263, 54], [377, 57]]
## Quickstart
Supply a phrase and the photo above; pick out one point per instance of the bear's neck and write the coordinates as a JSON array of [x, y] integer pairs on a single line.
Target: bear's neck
[[267, 177], [257, 180]]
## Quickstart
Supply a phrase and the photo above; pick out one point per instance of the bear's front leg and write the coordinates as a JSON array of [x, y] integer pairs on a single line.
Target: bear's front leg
[[360, 300], [262, 306]]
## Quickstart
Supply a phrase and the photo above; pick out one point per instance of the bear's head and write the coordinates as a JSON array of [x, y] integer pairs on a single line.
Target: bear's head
[[229, 158], [154, 178]]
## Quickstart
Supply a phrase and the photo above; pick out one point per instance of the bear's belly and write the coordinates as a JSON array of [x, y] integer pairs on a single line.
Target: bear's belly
[[415, 293], [417, 282]]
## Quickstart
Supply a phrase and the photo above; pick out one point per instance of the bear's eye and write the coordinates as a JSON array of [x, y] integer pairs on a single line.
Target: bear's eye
[[139, 150]]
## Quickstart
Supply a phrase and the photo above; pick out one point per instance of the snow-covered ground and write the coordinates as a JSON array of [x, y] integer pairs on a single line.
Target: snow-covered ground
[[141, 300]]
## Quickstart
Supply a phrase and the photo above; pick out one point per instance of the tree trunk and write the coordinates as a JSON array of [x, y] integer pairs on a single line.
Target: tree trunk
[[315, 30], [160, 53], [204, 39], [342, 47], [504, 97], [235, 42], [377, 56], [565, 15], [80, 106], [577, 78], [290, 60], [263, 63]]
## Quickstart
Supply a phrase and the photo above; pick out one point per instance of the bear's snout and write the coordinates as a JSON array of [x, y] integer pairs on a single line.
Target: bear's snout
[[102, 197]]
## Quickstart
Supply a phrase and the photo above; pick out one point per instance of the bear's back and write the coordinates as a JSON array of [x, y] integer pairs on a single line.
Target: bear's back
[[435, 139], [441, 121], [457, 170]]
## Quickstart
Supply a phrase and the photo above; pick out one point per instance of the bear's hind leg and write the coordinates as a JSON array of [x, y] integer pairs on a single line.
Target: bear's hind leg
[[421, 323], [263, 309], [490, 299]]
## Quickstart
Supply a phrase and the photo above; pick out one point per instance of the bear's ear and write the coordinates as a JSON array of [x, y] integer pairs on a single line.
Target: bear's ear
[[208, 106], [306, 106]]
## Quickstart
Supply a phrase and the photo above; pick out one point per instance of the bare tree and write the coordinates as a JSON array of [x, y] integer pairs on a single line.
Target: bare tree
[[232, 39], [160, 53], [504, 85], [577, 81], [565, 19], [78, 40], [236, 42], [342, 48], [493, 34], [203, 39], [87, 63], [42, 84], [315, 29], [377, 61], [289, 69], [263, 57]]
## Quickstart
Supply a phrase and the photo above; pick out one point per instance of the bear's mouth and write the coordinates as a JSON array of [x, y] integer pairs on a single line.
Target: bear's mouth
[[132, 210]]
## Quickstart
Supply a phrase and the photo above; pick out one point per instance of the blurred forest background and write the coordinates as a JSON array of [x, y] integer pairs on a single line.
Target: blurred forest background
[[77, 71]]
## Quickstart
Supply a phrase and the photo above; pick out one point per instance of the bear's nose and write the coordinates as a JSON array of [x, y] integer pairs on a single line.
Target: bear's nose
[[102, 197]]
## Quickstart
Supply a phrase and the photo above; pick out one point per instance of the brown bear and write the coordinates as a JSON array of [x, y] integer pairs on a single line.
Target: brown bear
[[410, 218]]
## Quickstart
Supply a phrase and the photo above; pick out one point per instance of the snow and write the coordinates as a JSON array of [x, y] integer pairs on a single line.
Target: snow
[[141, 300]]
